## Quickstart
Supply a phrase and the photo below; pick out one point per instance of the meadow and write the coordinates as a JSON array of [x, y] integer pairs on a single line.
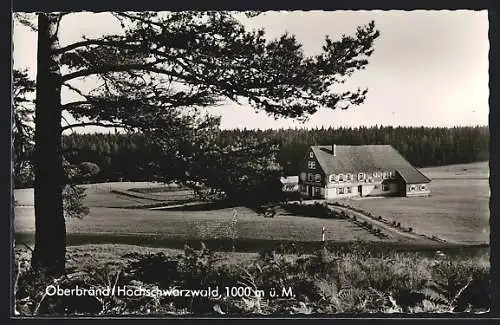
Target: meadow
[[458, 209], [174, 228]]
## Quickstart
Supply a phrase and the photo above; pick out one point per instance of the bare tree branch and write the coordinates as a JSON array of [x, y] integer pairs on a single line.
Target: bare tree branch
[[75, 104], [121, 43], [83, 124], [116, 68], [76, 90]]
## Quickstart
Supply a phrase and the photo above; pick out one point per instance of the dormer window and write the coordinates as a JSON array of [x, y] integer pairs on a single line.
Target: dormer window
[[348, 177], [332, 178], [361, 176], [341, 177], [311, 164]]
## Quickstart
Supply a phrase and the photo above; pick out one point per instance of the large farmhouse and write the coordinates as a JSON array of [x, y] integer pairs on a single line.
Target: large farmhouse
[[336, 171]]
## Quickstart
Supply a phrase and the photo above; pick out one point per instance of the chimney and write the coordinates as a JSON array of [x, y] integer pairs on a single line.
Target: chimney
[[334, 146]]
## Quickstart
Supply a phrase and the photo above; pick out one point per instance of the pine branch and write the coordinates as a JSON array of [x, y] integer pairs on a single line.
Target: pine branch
[[132, 17]]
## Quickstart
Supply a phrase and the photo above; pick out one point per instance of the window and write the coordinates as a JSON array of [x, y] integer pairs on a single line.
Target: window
[[375, 174], [317, 190], [422, 187], [311, 164], [391, 173], [349, 190], [384, 175], [303, 176], [332, 178], [341, 177], [385, 187], [311, 155], [340, 190], [361, 176], [376, 186], [348, 177], [310, 177], [370, 180], [412, 188], [317, 178]]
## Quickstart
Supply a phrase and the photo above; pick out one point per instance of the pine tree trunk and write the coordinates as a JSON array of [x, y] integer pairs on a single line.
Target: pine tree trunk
[[50, 233]]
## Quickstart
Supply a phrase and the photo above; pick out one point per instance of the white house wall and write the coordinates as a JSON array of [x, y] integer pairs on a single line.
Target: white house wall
[[331, 192], [370, 190], [417, 191]]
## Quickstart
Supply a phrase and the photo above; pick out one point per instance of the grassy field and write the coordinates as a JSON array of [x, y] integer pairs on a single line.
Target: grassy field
[[112, 224], [111, 221], [116, 195], [478, 170], [458, 208]]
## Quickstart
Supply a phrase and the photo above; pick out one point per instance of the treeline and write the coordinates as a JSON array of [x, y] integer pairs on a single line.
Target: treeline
[[119, 156], [129, 157], [421, 146]]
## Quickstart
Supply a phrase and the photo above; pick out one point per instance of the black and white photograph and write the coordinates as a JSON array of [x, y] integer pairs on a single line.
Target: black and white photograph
[[250, 163]]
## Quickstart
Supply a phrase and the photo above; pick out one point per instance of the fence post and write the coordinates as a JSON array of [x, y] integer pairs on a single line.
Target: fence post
[[233, 226]]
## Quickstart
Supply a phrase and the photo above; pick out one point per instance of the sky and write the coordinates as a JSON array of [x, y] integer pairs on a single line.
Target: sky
[[429, 68]]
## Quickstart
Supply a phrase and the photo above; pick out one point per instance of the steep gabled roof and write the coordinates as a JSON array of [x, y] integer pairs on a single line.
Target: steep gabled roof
[[367, 158]]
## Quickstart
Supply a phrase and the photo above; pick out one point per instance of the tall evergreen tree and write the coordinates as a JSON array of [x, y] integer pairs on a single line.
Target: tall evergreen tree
[[161, 64]]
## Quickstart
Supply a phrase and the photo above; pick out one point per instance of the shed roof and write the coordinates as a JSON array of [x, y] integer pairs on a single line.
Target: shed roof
[[290, 180]]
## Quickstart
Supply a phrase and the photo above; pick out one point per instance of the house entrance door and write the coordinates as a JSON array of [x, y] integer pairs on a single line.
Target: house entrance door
[[360, 190]]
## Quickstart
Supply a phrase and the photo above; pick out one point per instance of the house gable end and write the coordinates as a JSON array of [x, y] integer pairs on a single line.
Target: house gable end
[[318, 168]]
